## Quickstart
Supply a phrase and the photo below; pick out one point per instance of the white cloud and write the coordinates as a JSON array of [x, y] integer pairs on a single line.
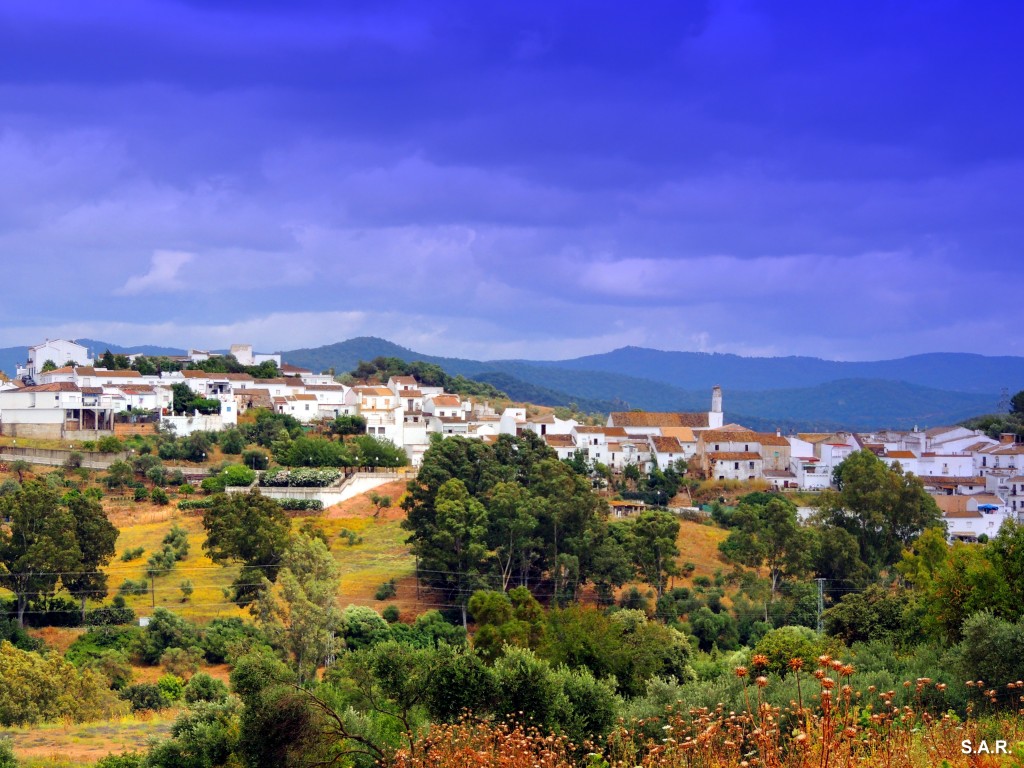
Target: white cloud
[[162, 276]]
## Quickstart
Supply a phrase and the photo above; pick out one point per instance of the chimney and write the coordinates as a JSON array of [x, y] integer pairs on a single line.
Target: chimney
[[716, 399], [778, 431], [1007, 438]]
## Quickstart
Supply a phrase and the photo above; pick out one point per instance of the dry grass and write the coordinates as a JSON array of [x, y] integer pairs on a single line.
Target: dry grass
[[59, 744]]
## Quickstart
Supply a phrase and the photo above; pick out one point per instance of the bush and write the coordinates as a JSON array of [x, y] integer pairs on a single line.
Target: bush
[[73, 461], [115, 613], [785, 643], [202, 687], [95, 493], [109, 444], [125, 760], [195, 503], [303, 477], [390, 614], [363, 627], [159, 496], [145, 697], [133, 588], [171, 686], [132, 554], [387, 590], [255, 459], [141, 494], [226, 638], [157, 475], [231, 441], [182, 662], [215, 484], [7, 759], [166, 630], [238, 475], [301, 505]]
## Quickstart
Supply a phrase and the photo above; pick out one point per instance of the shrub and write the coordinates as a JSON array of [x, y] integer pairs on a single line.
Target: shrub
[[133, 588], [171, 686], [115, 613], [159, 496], [255, 459], [195, 503], [73, 461], [182, 662], [785, 643], [132, 554], [166, 630], [301, 505], [390, 614], [94, 492], [215, 484], [109, 444], [237, 474], [157, 475], [387, 590], [141, 494], [125, 760], [7, 759], [144, 697], [202, 687], [224, 638], [363, 627], [303, 477], [232, 441]]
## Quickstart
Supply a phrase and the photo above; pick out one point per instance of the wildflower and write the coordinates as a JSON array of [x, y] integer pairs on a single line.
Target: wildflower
[[741, 671], [759, 660], [796, 664], [762, 681]]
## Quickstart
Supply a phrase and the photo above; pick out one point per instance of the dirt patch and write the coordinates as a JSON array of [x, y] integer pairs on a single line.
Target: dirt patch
[[57, 639], [361, 506]]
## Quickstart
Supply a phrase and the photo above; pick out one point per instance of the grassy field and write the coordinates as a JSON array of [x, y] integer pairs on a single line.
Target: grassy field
[[56, 745]]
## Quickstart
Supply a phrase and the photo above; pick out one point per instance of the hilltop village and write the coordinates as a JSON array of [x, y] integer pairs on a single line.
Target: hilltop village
[[977, 481]]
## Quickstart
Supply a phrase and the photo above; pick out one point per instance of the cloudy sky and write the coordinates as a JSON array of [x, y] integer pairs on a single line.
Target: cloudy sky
[[536, 179]]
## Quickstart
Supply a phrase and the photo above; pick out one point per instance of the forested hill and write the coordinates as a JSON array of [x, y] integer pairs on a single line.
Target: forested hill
[[800, 393]]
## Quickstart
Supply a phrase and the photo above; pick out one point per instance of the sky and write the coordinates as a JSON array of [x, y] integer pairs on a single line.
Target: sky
[[531, 179]]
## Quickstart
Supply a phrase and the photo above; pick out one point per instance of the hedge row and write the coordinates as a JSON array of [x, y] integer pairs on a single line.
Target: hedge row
[[301, 505], [304, 477]]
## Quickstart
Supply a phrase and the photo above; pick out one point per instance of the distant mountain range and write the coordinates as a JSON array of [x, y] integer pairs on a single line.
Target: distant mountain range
[[762, 392]]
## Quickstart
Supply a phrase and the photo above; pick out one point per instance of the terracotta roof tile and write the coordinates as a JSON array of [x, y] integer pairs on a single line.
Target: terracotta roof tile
[[656, 419]]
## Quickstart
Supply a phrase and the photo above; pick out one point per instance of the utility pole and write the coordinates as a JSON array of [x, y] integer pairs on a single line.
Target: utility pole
[[821, 600]]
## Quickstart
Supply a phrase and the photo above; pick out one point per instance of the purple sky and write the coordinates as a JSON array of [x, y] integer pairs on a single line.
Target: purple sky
[[528, 179]]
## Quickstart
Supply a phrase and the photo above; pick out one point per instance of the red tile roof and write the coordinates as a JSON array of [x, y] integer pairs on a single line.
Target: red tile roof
[[655, 419]]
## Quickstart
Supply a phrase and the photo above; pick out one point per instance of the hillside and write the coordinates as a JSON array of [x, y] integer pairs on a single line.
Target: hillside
[[782, 397]]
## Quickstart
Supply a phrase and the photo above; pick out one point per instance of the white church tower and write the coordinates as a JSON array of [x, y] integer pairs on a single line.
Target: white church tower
[[715, 417]]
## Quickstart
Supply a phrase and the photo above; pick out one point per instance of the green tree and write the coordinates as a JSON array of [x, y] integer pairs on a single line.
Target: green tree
[[458, 546], [48, 365], [119, 475], [36, 545], [250, 529], [653, 539], [769, 534], [883, 508], [511, 528], [298, 612], [96, 537], [1017, 403]]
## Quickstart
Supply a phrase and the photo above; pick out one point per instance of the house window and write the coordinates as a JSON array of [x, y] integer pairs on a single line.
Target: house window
[[751, 465], [736, 465], [717, 447]]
